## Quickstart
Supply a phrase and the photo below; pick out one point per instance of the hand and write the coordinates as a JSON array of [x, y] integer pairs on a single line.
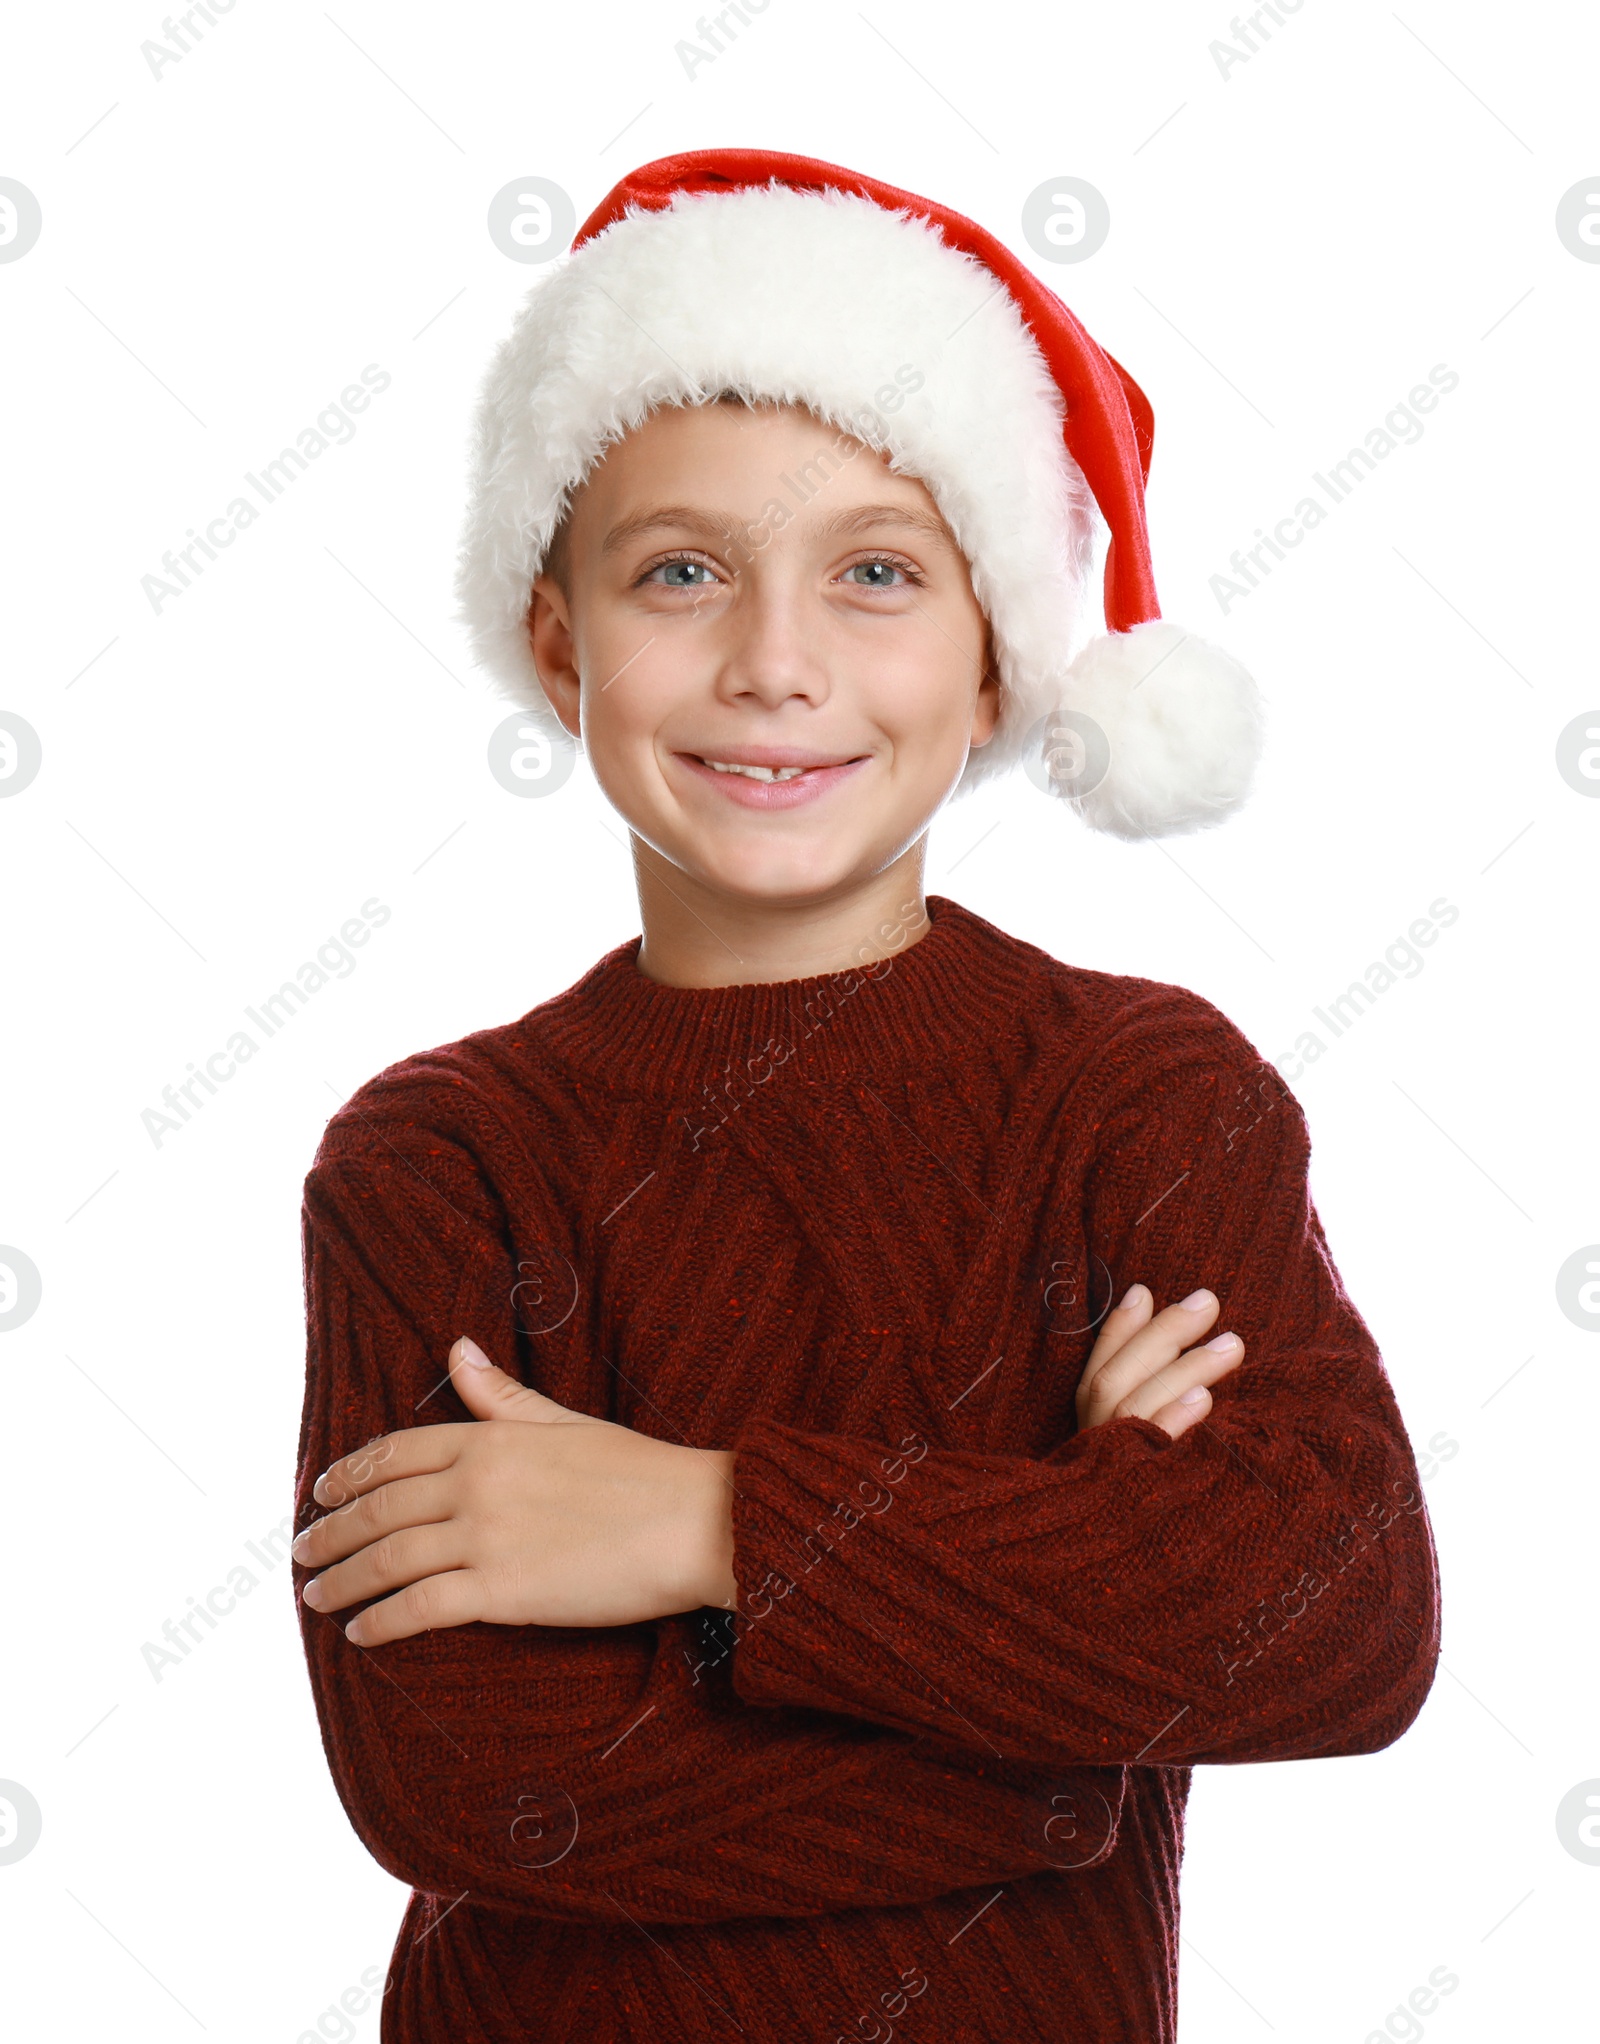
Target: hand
[[1146, 1368], [530, 1514]]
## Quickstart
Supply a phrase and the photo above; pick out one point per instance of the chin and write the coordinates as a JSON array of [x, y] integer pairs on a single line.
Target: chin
[[776, 883]]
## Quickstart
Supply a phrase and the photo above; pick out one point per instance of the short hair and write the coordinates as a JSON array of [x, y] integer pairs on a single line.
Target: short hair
[[557, 562]]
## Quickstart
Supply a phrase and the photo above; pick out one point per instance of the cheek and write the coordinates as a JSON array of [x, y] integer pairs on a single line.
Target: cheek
[[634, 676], [923, 682]]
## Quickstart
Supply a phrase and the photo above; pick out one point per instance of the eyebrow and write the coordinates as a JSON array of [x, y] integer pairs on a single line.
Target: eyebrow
[[714, 525]]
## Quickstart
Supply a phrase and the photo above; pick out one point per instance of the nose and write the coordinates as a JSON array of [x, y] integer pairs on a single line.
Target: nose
[[773, 643]]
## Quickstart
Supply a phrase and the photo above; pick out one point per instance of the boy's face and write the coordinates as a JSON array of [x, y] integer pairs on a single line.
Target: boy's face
[[751, 587]]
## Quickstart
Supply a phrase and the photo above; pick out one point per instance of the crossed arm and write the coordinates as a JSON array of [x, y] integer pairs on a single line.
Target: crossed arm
[[532, 1514], [1246, 1578]]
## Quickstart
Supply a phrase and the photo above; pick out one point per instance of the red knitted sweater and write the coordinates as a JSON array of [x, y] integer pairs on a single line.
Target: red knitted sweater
[[857, 1228]]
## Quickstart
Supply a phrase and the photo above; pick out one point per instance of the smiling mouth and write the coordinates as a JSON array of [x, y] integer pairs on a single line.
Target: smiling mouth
[[755, 773], [767, 773]]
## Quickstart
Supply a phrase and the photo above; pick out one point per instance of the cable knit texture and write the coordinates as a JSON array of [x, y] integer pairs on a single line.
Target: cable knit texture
[[860, 1229]]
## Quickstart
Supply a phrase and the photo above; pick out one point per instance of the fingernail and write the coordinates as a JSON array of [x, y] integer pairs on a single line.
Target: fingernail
[[299, 1548], [1193, 1395], [1196, 1300], [353, 1631], [1132, 1297], [1220, 1341], [312, 1594], [473, 1355]]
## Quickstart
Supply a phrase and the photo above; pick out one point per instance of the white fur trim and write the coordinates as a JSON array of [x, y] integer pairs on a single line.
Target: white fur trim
[[821, 299], [800, 297], [1184, 723]]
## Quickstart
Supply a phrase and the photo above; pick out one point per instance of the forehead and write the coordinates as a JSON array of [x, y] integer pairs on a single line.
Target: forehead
[[739, 460]]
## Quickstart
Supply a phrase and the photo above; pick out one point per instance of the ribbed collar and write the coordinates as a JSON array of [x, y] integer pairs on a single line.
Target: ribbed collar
[[963, 982]]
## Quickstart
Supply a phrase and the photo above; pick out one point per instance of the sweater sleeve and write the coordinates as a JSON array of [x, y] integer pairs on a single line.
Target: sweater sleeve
[[1263, 1588], [589, 1774]]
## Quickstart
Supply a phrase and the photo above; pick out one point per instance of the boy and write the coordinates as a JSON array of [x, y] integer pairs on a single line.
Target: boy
[[854, 1408]]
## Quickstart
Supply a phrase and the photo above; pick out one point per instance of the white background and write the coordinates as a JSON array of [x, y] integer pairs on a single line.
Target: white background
[[1292, 248]]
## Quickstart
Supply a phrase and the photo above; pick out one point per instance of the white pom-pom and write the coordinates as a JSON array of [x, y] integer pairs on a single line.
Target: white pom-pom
[[1161, 733]]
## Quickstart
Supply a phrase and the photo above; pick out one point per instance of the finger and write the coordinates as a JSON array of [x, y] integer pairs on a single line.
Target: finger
[[340, 1480], [392, 1563], [1154, 1347], [1196, 1368], [412, 1501], [1125, 1319], [453, 1599], [411, 1452], [488, 1392], [1185, 1412]]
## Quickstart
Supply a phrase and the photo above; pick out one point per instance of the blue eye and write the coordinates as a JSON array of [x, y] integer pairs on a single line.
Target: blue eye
[[873, 574], [683, 574]]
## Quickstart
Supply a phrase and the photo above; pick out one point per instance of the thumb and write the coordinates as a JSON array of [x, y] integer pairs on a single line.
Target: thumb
[[488, 1393]]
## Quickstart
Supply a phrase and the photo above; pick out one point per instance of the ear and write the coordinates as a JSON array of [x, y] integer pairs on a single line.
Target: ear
[[986, 709], [554, 651]]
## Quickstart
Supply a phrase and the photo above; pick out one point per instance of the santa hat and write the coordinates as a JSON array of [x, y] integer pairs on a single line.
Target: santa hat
[[914, 329]]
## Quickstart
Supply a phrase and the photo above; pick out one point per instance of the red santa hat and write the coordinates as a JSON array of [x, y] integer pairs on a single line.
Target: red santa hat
[[917, 331]]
